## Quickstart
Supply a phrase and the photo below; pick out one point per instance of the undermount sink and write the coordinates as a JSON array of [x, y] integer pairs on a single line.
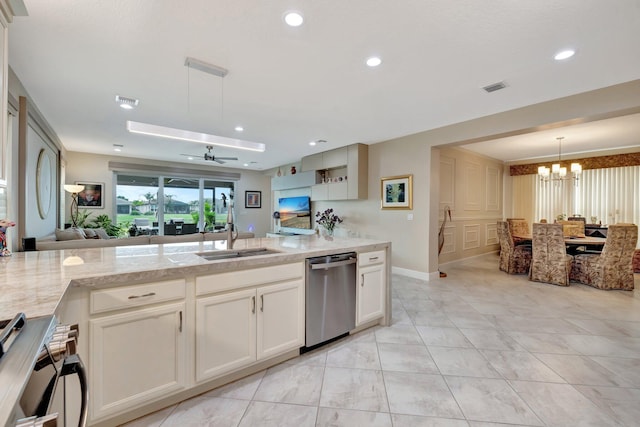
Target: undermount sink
[[242, 253]]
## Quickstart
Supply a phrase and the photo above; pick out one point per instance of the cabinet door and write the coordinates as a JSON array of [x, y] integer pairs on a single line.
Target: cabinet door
[[135, 357], [319, 192], [338, 191], [370, 294], [312, 162], [335, 158], [225, 333], [280, 318]]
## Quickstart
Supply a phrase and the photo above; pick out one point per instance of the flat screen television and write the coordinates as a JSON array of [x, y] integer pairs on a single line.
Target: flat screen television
[[295, 212]]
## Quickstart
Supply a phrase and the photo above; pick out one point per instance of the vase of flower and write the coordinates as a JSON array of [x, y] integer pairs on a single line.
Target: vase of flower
[[328, 220]]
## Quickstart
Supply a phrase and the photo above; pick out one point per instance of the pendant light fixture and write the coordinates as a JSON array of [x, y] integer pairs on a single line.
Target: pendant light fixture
[[558, 172]]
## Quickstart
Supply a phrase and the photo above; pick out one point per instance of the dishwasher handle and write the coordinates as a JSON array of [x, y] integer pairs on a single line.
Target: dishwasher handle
[[327, 265]]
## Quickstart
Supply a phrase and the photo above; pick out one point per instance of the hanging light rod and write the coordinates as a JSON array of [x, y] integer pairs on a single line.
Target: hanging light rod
[[186, 135], [205, 67]]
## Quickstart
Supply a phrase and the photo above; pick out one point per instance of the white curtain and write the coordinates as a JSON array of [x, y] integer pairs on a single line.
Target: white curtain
[[523, 203], [612, 195], [555, 198]]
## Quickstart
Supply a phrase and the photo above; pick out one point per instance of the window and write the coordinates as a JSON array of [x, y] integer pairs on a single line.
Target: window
[[171, 200]]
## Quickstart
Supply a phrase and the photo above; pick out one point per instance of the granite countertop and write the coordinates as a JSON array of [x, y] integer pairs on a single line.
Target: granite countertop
[[34, 282]]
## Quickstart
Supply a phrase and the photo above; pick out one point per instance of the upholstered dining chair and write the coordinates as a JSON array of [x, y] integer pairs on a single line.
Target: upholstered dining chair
[[613, 268], [549, 262], [518, 226], [514, 259], [572, 228]]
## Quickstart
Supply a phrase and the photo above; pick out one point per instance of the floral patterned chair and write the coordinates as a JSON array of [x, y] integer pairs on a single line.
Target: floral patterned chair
[[514, 259], [518, 227], [550, 262], [612, 269]]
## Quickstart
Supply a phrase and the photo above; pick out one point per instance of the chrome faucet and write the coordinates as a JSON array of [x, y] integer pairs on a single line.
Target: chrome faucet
[[232, 234]]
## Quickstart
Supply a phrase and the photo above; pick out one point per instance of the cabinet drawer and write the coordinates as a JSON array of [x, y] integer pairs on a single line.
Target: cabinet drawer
[[371, 258], [135, 296], [245, 278]]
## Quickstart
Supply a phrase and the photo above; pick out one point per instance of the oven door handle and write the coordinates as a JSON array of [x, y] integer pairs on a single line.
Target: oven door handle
[[16, 325], [73, 365]]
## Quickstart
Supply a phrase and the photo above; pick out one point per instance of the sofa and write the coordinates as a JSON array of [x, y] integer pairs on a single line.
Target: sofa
[[97, 238]]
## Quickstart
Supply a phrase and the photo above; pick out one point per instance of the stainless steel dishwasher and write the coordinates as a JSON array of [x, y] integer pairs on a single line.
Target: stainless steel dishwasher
[[330, 294]]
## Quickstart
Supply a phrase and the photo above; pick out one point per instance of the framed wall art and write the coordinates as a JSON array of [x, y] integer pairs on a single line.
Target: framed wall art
[[253, 199], [92, 195], [396, 192]]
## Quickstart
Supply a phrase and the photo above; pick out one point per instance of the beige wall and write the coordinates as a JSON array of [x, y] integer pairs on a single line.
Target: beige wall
[[94, 168], [471, 186]]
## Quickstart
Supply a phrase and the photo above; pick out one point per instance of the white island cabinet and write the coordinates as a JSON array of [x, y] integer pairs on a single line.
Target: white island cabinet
[[159, 324], [236, 329], [137, 345], [370, 292]]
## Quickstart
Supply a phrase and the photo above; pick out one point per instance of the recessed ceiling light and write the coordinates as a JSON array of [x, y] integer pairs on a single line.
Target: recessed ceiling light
[[246, 164], [117, 147], [127, 103], [239, 128], [316, 142], [564, 54], [190, 158], [293, 19], [374, 61], [312, 143]]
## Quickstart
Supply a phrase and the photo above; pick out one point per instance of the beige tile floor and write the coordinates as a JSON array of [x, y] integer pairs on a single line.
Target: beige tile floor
[[479, 348]]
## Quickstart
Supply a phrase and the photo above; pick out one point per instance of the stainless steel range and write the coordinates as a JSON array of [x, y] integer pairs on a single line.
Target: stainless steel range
[[37, 356]]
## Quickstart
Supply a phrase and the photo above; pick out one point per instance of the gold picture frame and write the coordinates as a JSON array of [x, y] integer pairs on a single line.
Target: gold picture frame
[[396, 192]]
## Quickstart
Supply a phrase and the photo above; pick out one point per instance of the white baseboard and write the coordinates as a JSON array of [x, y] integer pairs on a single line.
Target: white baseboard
[[421, 275], [458, 261], [429, 277]]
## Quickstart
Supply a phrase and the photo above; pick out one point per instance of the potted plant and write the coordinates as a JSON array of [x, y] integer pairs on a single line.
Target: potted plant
[[328, 220]]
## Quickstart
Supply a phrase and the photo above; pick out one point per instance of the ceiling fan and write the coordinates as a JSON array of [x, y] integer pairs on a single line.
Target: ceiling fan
[[209, 156]]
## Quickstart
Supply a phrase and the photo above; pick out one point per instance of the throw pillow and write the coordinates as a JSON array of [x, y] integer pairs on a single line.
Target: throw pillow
[[101, 233], [90, 233], [69, 234]]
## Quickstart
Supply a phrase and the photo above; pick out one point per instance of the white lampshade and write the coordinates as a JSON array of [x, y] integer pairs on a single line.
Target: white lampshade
[[543, 171], [72, 260], [73, 188], [563, 172], [555, 168], [576, 168]]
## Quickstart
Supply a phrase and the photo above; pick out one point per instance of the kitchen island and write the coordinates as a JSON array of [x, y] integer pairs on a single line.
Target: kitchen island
[[159, 323]]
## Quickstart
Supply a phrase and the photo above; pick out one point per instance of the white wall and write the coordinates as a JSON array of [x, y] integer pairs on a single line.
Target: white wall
[[35, 225]]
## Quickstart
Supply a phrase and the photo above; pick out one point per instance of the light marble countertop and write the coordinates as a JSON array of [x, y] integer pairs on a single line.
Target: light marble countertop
[[34, 282]]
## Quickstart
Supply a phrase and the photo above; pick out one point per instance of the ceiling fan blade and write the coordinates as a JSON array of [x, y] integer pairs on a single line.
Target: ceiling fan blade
[[217, 160], [226, 158], [190, 155]]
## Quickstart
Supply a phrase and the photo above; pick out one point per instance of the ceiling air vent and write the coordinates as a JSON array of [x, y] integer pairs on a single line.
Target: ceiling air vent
[[494, 87]]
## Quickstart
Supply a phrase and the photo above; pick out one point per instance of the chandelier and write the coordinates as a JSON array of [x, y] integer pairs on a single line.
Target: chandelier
[[557, 172]]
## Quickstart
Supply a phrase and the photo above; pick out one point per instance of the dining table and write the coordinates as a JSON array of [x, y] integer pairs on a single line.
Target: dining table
[[570, 241]]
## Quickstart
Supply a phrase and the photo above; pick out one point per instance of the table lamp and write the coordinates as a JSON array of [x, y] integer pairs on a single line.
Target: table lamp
[[74, 190]]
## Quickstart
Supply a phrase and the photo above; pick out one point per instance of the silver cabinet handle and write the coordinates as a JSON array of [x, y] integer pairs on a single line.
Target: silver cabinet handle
[[362, 280], [262, 303], [180, 326], [150, 294], [253, 301], [374, 258]]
